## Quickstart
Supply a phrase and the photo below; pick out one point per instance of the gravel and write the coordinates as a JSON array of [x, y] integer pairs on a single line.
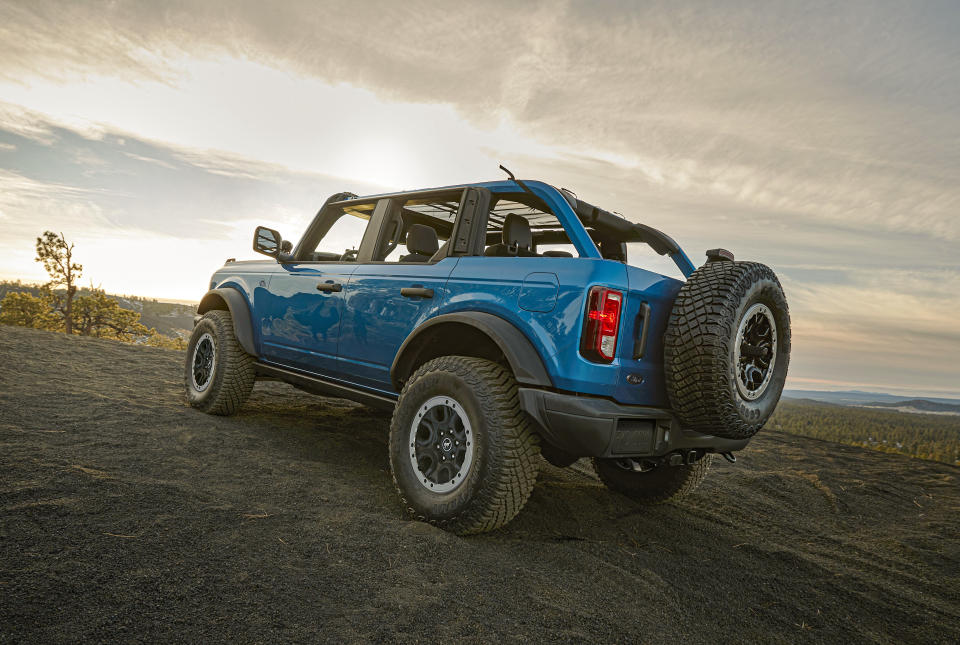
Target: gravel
[[125, 515]]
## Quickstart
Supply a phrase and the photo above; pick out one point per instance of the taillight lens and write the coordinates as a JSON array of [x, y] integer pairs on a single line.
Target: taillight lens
[[599, 341]]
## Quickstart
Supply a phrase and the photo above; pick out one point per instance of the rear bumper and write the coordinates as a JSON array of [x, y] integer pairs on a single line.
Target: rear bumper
[[586, 426]]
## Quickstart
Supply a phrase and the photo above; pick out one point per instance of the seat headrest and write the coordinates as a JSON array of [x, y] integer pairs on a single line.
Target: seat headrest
[[516, 232], [422, 239]]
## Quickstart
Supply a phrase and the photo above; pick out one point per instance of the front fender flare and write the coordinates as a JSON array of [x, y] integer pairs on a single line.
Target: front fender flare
[[236, 304], [524, 360]]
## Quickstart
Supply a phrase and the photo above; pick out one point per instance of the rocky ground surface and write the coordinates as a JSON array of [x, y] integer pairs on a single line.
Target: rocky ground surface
[[126, 515]]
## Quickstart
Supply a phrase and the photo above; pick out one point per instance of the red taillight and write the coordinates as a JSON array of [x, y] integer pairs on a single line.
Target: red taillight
[[599, 341]]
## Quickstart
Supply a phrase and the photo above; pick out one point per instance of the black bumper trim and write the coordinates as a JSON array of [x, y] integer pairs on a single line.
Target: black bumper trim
[[586, 426]]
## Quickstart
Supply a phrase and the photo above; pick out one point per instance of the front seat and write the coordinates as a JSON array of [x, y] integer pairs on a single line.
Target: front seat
[[517, 238], [422, 243]]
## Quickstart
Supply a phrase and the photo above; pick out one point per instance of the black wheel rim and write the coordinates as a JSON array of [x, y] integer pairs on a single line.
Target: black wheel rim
[[204, 353], [441, 444], [756, 351]]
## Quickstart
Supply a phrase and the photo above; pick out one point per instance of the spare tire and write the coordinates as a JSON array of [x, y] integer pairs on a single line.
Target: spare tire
[[727, 348]]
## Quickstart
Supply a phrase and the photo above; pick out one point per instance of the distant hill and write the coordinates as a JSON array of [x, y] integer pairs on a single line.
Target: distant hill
[[168, 318], [916, 405], [856, 397]]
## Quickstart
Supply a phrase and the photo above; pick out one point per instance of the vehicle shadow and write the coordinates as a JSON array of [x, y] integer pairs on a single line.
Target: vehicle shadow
[[349, 441]]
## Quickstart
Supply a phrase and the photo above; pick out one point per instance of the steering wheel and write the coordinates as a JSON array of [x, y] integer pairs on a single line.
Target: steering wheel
[[350, 255]]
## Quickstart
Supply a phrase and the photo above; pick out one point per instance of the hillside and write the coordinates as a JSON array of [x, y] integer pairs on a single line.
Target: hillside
[[169, 318], [127, 515], [917, 405], [908, 432]]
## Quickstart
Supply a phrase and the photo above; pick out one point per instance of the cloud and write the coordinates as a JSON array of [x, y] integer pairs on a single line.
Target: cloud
[[28, 198], [150, 187], [133, 206], [822, 140], [777, 108], [18, 121]]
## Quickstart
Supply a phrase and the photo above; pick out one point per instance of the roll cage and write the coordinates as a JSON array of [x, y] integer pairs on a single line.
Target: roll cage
[[593, 231]]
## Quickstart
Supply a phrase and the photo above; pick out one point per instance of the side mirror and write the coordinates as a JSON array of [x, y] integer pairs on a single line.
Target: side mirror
[[267, 241]]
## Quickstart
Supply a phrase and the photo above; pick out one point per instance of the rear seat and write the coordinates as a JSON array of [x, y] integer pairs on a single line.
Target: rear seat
[[517, 239]]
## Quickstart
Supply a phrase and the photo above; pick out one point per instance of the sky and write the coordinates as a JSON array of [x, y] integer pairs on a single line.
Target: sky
[[822, 139]]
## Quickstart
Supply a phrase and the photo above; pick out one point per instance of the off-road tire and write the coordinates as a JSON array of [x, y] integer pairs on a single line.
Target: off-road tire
[[662, 484], [233, 371], [505, 453], [700, 345]]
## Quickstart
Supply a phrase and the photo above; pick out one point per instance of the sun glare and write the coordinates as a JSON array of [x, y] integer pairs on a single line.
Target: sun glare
[[260, 112]]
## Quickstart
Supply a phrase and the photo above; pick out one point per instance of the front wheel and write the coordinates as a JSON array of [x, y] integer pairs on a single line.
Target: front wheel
[[218, 373], [651, 483], [462, 453]]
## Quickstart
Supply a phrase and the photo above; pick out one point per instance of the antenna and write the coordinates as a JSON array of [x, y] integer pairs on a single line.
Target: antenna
[[517, 181]]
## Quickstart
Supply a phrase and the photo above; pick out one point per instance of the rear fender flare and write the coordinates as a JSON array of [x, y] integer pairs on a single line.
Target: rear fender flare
[[234, 302], [524, 360]]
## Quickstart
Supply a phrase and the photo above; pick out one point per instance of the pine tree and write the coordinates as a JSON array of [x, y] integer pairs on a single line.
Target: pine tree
[[56, 255], [27, 310]]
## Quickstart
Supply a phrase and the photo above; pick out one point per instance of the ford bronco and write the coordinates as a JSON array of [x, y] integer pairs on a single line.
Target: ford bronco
[[501, 321]]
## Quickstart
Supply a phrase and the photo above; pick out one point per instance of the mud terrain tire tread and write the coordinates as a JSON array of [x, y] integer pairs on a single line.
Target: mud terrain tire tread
[[662, 485], [698, 344], [510, 462], [234, 373]]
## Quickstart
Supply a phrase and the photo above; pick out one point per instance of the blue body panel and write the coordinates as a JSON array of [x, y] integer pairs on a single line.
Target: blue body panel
[[297, 324], [659, 293], [494, 285], [377, 318], [352, 336]]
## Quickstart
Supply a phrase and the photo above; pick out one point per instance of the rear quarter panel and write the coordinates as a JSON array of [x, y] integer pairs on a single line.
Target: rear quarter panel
[[659, 292], [518, 290], [496, 286]]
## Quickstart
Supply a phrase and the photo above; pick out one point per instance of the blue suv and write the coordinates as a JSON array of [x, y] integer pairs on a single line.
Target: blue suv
[[502, 321]]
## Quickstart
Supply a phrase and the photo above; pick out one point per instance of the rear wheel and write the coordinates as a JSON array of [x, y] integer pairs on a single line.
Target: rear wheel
[[218, 374], [462, 453], [649, 482]]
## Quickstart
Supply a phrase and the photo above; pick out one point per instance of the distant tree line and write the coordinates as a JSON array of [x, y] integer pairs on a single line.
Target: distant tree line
[[925, 436], [58, 305]]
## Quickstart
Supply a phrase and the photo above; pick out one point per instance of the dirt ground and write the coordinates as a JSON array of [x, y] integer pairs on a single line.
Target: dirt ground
[[125, 515]]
